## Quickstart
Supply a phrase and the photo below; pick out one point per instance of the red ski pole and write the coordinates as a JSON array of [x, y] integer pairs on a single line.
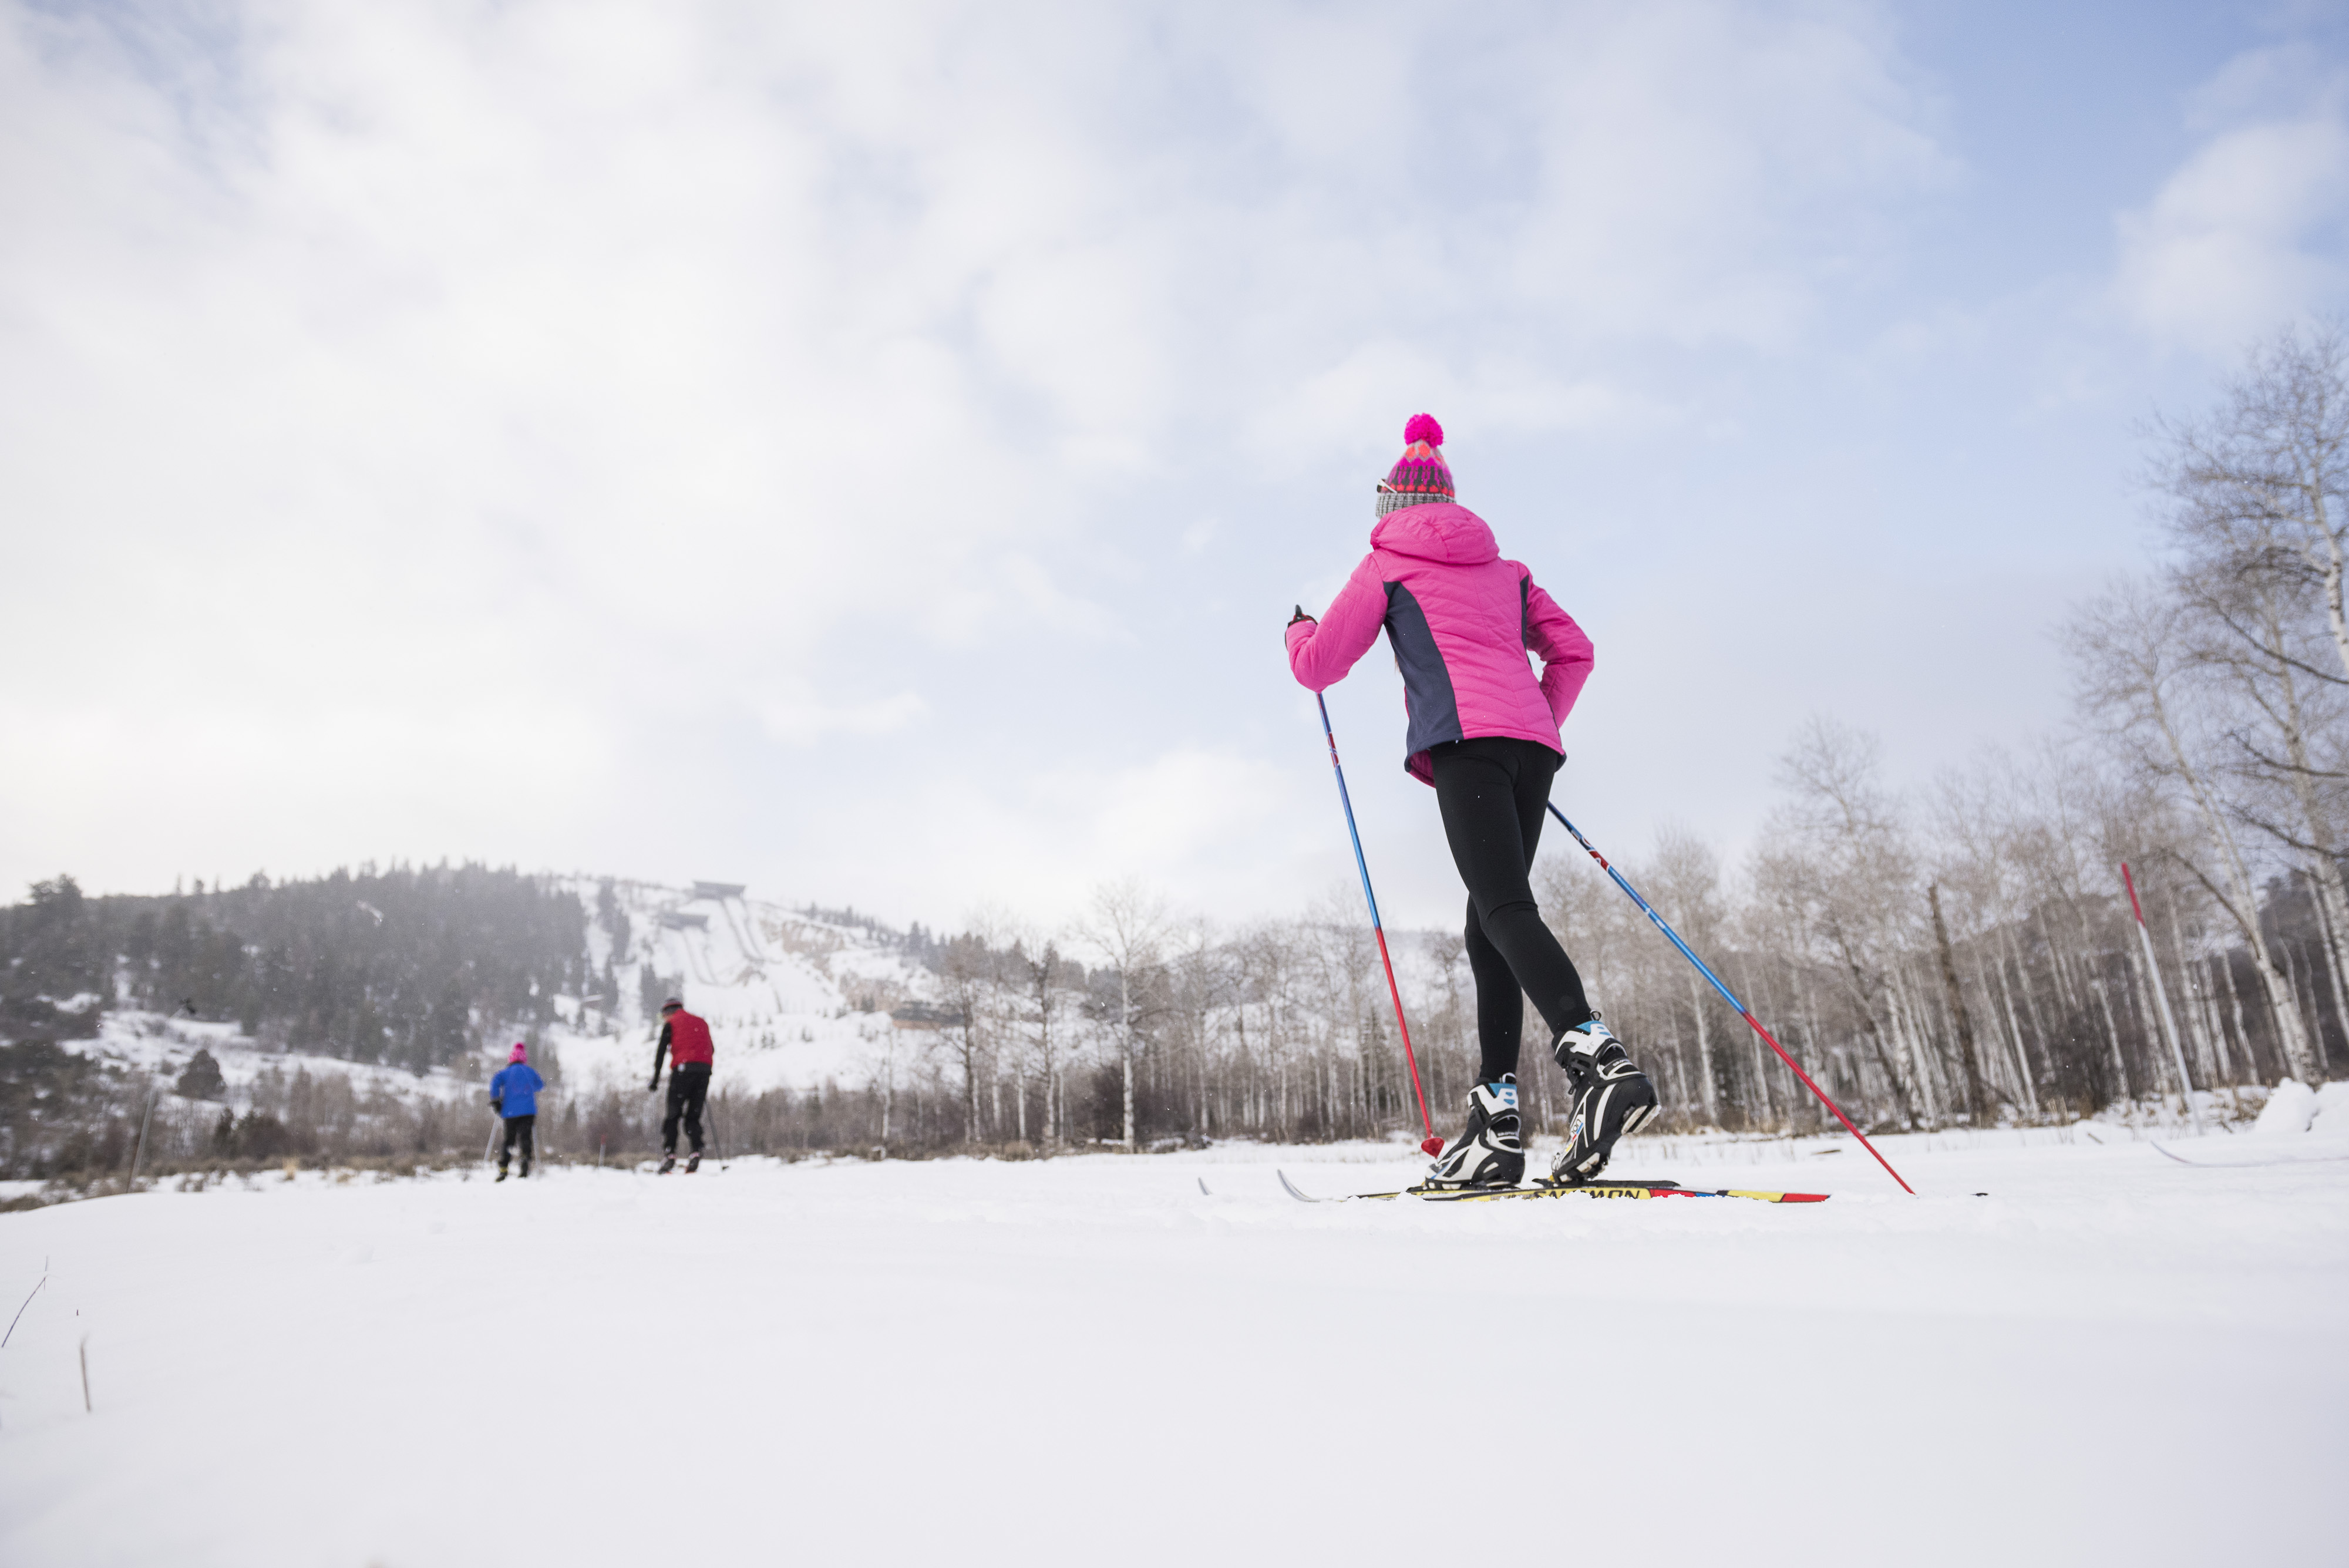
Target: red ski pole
[[1731, 997], [1431, 1145]]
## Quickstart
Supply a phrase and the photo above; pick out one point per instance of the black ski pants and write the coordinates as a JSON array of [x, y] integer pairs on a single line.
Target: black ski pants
[[1493, 791], [524, 1128], [688, 1090]]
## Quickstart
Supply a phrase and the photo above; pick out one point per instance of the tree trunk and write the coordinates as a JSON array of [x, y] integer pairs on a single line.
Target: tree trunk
[[1964, 1021], [2235, 995], [1910, 1031], [2202, 1009], [2328, 927], [1125, 1042], [1703, 1049]]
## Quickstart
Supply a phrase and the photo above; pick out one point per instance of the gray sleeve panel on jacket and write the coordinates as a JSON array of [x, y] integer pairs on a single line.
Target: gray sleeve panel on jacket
[[1526, 609], [1426, 683]]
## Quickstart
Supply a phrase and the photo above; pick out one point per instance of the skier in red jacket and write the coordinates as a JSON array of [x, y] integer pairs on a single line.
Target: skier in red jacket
[[685, 1040]]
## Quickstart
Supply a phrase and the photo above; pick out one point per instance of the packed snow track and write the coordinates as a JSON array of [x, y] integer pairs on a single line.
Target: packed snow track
[[2111, 1358]]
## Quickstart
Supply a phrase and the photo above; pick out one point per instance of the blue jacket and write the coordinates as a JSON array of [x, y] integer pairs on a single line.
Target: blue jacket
[[515, 1090]]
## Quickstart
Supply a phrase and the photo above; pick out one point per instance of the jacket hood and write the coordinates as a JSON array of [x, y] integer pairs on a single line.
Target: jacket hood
[[1441, 531]]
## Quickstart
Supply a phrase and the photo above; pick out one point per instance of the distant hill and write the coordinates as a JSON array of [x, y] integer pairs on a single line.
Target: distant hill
[[356, 1015], [404, 967]]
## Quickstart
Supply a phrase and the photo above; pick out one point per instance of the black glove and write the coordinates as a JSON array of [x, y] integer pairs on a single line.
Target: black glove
[[499, 1106], [1301, 615]]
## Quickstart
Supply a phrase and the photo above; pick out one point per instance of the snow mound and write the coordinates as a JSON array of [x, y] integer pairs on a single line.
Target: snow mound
[[2289, 1108], [2332, 1119]]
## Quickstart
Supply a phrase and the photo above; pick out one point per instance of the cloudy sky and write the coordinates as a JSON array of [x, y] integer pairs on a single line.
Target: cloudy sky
[[870, 452]]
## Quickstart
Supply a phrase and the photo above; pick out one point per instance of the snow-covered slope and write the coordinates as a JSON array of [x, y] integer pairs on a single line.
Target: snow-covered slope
[[794, 1001], [151, 1042]]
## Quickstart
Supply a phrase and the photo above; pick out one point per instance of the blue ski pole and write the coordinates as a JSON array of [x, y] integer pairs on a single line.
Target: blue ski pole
[[1431, 1145], [1727, 995]]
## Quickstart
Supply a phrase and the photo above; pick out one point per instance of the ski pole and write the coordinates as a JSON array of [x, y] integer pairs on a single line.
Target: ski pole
[[1431, 1145], [1729, 996]]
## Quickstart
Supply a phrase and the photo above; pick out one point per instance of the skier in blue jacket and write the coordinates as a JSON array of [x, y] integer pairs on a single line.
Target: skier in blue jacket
[[513, 1094]]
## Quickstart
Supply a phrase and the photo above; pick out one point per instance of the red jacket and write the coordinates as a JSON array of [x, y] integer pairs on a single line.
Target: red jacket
[[688, 1039]]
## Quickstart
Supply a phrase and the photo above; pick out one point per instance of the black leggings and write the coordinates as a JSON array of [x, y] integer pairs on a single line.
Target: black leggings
[[526, 1129], [688, 1088], [1493, 790]]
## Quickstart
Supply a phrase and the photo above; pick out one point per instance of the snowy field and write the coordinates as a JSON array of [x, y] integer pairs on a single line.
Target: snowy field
[[2110, 1358]]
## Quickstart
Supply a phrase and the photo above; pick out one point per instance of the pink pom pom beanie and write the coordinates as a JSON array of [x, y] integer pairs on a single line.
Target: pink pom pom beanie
[[519, 1053], [1420, 475]]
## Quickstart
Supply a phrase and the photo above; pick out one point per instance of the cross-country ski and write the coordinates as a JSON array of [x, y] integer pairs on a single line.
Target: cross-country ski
[[1600, 1189], [2254, 1162]]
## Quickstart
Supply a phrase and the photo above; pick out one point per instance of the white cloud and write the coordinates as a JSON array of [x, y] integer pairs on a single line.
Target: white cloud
[[803, 721], [379, 381], [2249, 232]]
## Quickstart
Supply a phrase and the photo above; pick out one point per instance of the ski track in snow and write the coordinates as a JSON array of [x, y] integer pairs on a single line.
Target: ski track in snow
[[2113, 1358]]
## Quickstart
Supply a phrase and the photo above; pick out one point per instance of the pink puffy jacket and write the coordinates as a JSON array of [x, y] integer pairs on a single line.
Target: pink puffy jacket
[[1460, 619]]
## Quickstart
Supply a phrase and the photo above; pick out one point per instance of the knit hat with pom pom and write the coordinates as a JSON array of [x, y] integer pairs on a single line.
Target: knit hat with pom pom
[[1420, 475], [520, 1053]]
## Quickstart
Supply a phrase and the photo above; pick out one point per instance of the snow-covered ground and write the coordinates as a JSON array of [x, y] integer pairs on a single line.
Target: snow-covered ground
[[2112, 1357]]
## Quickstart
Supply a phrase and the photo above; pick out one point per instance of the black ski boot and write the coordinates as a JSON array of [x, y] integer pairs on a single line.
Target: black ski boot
[[502, 1173], [668, 1163], [693, 1162], [1491, 1152], [1612, 1097]]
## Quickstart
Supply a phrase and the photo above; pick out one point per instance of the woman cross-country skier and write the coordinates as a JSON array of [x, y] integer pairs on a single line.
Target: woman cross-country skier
[[513, 1094], [1484, 733]]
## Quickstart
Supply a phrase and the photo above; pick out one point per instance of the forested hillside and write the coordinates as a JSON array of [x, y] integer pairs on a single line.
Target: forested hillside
[[395, 966]]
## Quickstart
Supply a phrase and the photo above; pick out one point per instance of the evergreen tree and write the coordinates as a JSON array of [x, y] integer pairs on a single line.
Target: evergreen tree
[[202, 1079]]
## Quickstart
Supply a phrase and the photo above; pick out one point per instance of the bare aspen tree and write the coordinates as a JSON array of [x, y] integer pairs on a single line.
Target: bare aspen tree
[[1127, 924], [2256, 634], [963, 977], [2255, 500], [1041, 1008], [1851, 860], [2135, 671], [1684, 884], [2261, 478], [1977, 1103]]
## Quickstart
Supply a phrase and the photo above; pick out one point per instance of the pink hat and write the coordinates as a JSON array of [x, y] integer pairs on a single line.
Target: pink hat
[[1420, 475], [520, 1053]]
